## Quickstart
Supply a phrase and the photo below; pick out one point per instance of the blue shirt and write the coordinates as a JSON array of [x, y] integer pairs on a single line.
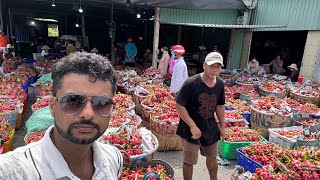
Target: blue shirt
[[131, 49]]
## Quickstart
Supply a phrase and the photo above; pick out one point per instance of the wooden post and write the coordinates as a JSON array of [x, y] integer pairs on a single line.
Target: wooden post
[[83, 28], [145, 35], [10, 22], [156, 37], [229, 58]]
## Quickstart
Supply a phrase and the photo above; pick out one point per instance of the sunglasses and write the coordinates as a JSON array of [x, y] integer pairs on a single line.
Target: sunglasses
[[71, 104]]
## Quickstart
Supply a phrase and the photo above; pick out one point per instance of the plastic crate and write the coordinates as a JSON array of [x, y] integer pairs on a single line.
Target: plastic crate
[[246, 116], [31, 80], [25, 87], [227, 150], [276, 138], [8, 145], [246, 162]]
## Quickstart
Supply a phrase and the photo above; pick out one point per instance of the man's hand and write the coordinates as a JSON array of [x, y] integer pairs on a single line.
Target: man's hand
[[196, 133], [223, 134], [173, 94]]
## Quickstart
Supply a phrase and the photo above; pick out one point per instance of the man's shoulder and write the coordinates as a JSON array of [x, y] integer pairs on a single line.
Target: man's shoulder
[[16, 164]]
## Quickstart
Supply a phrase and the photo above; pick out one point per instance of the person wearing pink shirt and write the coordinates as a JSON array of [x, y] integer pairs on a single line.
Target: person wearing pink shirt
[[171, 62], [164, 61]]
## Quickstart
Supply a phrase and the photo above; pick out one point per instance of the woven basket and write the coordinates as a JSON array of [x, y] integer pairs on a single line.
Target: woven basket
[[150, 153], [267, 93], [245, 97], [35, 132], [305, 99], [248, 86], [311, 143], [137, 98], [297, 122], [153, 163], [261, 121], [145, 112], [169, 143], [162, 128]]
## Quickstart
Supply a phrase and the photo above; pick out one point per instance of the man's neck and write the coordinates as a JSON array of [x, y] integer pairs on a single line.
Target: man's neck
[[74, 154], [207, 80]]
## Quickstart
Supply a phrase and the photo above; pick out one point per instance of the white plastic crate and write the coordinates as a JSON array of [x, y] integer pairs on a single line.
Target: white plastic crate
[[276, 138]]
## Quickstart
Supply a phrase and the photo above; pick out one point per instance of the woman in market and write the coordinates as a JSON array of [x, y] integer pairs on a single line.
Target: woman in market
[[294, 72], [253, 66], [171, 62], [277, 66], [71, 48], [164, 61]]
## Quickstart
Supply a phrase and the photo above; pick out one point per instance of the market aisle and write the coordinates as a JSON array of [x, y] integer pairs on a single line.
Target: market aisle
[[174, 158]]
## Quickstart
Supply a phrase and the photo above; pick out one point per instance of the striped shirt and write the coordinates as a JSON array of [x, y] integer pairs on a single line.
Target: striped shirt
[[42, 160]]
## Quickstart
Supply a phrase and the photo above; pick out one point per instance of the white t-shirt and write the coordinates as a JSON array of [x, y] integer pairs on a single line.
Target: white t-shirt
[[42, 160], [179, 75]]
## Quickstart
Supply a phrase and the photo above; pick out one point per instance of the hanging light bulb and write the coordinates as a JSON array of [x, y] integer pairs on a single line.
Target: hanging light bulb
[[77, 25], [53, 4], [80, 9], [138, 16]]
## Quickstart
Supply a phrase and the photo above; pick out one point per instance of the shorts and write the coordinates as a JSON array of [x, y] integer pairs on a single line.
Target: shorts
[[191, 151]]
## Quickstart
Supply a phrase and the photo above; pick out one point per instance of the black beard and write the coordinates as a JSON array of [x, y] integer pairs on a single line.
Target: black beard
[[72, 138]]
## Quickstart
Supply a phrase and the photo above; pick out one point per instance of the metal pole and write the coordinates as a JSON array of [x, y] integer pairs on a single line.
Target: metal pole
[[1, 18], [146, 35], [10, 22], [112, 30], [156, 37], [84, 36], [179, 34]]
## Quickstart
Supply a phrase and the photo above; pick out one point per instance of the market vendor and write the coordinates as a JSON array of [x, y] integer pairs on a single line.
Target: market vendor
[[71, 48], [45, 51], [180, 71], [253, 66], [294, 72], [200, 97], [277, 66], [4, 40], [69, 149], [164, 61], [131, 53]]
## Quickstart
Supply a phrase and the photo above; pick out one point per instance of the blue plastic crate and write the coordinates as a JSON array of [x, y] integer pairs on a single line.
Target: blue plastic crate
[[246, 162], [25, 87], [31, 80], [246, 116], [228, 108]]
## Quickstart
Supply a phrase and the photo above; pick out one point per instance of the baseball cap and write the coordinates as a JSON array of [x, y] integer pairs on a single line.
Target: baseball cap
[[214, 57]]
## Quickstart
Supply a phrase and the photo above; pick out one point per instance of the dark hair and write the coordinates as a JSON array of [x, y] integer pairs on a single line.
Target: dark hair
[[85, 64], [164, 48]]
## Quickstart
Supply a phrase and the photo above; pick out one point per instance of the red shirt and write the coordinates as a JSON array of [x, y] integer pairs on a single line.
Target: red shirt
[[4, 40]]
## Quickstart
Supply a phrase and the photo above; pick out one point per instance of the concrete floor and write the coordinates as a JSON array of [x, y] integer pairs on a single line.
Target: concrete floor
[[174, 158]]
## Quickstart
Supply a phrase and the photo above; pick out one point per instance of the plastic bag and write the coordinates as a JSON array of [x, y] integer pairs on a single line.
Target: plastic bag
[[40, 120]]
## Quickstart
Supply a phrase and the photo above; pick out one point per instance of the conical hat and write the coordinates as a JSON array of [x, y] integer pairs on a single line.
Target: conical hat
[[9, 46], [45, 47], [94, 50]]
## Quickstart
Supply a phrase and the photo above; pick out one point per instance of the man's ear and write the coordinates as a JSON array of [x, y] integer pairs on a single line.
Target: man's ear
[[52, 104]]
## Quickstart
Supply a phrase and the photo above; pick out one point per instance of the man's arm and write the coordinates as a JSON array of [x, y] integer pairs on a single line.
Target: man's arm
[[184, 115], [221, 116]]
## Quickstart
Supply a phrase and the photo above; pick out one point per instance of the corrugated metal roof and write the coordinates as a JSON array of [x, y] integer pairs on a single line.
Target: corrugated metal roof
[[187, 4], [295, 14], [177, 16]]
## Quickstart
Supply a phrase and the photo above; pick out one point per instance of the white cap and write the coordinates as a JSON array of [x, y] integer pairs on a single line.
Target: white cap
[[214, 57]]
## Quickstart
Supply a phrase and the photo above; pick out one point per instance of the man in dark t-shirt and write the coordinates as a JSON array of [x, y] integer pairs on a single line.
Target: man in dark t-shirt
[[199, 98]]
